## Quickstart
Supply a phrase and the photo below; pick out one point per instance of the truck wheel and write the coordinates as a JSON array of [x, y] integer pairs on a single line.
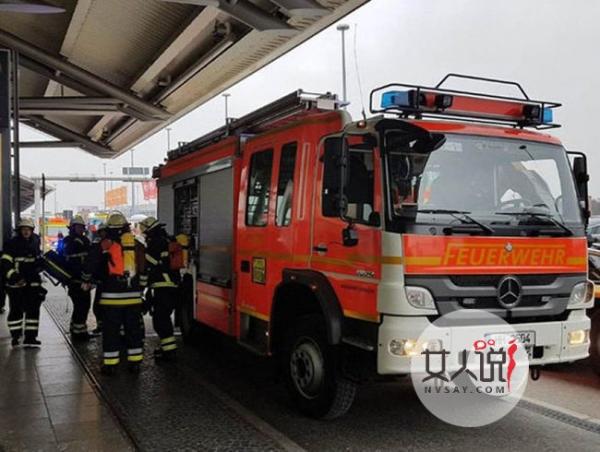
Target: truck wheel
[[310, 369], [595, 342]]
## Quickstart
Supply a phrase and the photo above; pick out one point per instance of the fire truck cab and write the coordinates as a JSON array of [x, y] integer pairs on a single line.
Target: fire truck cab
[[331, 244]]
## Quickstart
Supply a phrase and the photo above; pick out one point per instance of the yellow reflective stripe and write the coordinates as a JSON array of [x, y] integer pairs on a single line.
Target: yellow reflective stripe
[[151, 259], [164, 254], [7, 257], [111, 361], [169, 347], [135, 358], [166, 277], [10, 272], [158, 285], [167, 340], [122, 302], [25, 259]]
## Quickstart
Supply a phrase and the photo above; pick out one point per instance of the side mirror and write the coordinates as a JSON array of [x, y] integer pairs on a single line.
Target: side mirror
[[581, 182], [349, 236]]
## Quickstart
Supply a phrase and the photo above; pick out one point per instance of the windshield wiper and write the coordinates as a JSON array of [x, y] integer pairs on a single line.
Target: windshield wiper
[[465, 218], [536, 214]]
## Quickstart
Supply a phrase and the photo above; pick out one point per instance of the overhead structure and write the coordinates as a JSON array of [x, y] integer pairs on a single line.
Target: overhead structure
[[105, 75]]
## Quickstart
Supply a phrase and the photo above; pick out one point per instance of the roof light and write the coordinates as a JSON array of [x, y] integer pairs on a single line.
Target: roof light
[[397, 99], [443, 101], [547, 116]]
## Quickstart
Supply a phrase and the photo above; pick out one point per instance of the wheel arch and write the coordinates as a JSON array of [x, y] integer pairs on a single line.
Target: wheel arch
[[305, 292]]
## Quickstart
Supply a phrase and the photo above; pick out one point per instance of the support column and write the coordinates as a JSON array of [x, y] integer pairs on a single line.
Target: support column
[[37, 198], [5, 160]]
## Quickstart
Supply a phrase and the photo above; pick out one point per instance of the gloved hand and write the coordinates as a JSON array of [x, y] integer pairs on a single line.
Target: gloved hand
[[147, 304]]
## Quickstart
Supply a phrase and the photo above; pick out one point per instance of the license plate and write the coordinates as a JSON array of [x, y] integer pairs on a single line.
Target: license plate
[[527, 338]]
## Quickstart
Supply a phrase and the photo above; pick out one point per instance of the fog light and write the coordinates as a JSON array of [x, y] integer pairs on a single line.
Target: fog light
[[579, 337], [403, 347]]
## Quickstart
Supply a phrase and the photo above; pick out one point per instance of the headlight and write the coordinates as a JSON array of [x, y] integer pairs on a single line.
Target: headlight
[[582, 294], [420, 298], [412, 347]]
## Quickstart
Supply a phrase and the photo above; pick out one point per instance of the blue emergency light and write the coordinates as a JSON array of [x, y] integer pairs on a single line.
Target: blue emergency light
[[397, 99]]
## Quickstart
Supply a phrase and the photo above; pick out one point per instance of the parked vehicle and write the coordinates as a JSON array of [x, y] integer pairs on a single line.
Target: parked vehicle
[[594, 271], [331, 244]]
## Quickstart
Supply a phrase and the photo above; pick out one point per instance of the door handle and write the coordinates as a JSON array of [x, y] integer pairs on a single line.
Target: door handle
[[245, 266], [320, 248]]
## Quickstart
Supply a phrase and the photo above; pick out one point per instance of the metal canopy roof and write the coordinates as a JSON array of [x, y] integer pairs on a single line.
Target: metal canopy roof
[[107, 74]]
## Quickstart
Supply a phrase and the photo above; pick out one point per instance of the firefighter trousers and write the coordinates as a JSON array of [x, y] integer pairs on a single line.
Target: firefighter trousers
[[164, 300], [81, 307], [130, 317], [24, 311], [97, 308]]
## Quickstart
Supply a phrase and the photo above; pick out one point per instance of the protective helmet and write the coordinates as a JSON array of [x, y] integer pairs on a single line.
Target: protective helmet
[[77, 219], [25, 223], [148, 224], [116, 220]]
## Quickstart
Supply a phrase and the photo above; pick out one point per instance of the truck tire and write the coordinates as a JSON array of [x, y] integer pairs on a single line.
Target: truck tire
[[595, 342], [189, 326], [310, 368]]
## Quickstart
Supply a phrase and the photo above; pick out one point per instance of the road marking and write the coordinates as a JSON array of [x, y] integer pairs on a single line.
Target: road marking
[[561, 414]]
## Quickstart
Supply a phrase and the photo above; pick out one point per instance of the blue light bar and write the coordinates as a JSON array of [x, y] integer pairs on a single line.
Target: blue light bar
[[547, 116], [396, 99]]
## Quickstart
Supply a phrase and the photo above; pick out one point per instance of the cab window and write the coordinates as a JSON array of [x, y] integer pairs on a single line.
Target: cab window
[[358, 190], [285, 185], [259, 187]]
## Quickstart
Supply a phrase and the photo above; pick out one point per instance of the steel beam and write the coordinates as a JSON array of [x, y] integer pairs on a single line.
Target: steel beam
[[81, 75], [48, 144], [244, 11], [302, 8], [65, 134], [61, 78], [90, 106]]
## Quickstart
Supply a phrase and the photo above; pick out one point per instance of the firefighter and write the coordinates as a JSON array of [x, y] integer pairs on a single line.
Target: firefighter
[[21, 270], [75, 251], [97, 309], [162, 284], [120, 299]]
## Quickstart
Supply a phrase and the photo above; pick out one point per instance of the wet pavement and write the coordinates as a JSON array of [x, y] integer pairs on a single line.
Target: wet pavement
[[220, 397], [46, 401]]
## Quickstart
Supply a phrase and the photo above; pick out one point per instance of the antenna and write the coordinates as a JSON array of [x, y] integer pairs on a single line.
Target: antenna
[[360, 90]]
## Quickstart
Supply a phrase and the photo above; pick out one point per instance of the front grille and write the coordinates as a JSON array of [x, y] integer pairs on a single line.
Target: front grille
[[493, 280], [492, 302]]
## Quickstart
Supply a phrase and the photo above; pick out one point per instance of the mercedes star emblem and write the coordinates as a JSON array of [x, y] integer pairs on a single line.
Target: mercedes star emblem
[[509, 292], [508, 247]]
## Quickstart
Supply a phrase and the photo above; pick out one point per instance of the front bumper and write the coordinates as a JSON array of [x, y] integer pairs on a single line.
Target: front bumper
[[551, 336]]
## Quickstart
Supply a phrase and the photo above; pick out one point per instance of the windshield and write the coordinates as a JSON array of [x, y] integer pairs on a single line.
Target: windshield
[[490, 179]]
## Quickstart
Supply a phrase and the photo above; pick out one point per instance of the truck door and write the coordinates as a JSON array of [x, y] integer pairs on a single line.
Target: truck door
[[265, 233], [352, 269]]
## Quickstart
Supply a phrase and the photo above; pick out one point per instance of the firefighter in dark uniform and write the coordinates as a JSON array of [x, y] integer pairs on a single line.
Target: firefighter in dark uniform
[[97, 309], [120, 300], [21, 269], [162, 285], [75, 251]]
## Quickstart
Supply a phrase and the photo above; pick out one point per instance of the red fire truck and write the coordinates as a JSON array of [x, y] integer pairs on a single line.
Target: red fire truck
[[331, 243]]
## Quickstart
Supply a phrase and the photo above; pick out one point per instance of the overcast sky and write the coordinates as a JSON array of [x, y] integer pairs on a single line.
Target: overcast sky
[[549, 46]]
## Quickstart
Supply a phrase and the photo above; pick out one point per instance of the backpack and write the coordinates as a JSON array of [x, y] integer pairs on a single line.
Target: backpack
[[176, 255]]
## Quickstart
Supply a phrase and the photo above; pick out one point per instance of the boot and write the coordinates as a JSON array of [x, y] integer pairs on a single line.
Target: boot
[[134, 368], [80, 337], [31, 342], [162, 356], [108, 370]]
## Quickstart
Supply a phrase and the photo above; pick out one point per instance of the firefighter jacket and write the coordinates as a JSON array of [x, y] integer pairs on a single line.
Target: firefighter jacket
[[105, 263], [158, 272], [76, 251], [21, 261]]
